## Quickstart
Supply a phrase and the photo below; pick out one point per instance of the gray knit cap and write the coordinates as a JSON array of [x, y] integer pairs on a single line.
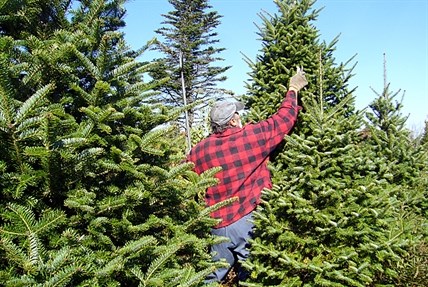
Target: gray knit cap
[[222, 112]]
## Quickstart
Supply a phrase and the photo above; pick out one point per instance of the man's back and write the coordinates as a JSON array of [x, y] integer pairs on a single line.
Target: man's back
[[242, 153]]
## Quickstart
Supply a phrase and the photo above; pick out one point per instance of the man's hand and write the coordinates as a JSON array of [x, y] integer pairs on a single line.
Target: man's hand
[[298, 81]]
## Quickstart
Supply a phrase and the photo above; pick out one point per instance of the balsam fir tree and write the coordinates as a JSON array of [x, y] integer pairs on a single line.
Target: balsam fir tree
[[30, 218], [327, 220], [386, 134], [289, 40], [21, 19], [404, 164], [92, 190]]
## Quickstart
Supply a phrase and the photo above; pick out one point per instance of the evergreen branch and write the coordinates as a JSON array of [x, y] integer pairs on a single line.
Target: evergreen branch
[[139, 274], [14, 253], [23, 281], [93, 70], [63, 276], [139, 173], [99, 221], [134, 247], [182, 276], [78, 205], [111, 203], [204, 214], [196, 278], [102, 239], [29, 122], [93, 13], [61, 257], [148, 67], [85, 129], [116, 264], [126, 158], [109, 165], [102, 59], [109, 114], [27, 220], [88, 154], [124, 69], [29, 134], [32, 102], [177, 111], [153, 221], [3, 122], [208, 179], [169, 277], [48, 219], [159, 262], [70, 142], [146, 225], [339, 107], [85, 95], [7, 111], [146, 143], [36, 151], [81, 199], [91, 112], [147, 46], [180, 169], [138, 88], [25, 215], [160, 172], [33, 248], [104, 128]]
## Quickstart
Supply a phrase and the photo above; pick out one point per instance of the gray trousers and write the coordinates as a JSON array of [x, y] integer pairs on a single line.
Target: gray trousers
[[236, 249]]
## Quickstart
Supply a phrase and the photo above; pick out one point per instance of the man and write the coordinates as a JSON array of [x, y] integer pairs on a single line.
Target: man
[[242, 152]]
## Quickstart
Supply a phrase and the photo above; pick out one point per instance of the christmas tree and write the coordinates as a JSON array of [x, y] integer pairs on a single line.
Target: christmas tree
[[93, 193], [402, 162], [327, 220]]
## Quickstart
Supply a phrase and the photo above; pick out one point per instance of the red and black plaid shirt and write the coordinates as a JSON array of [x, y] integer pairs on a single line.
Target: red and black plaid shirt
[[243, 154]]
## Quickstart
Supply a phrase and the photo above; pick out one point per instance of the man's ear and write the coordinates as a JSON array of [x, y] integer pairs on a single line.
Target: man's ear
[[233, 122]]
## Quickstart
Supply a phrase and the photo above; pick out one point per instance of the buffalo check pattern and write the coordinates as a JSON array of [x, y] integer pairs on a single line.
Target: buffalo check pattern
[[243, 154]]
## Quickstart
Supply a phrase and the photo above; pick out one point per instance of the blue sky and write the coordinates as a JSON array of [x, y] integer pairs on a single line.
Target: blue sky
[[367, 29]]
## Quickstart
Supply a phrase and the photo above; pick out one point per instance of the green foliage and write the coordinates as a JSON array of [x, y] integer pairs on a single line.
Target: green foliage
[[391, 141], [289, 40], [32, 17], [93, 191], [403, 163], [23, 241], [328, 221], [332, 218], [23, 136]]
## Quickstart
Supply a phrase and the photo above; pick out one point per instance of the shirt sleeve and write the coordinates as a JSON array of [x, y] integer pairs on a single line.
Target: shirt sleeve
[[274, 129]]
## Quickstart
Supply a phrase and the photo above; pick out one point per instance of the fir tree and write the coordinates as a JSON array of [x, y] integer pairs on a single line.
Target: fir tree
[[188, 43], [289, 40], [21, 19], [326, 221], [403, 163], [27, 236], [97, 194], [391, 140]]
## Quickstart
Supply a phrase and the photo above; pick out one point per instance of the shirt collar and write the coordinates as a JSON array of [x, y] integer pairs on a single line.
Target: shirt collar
[[228, 132]]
